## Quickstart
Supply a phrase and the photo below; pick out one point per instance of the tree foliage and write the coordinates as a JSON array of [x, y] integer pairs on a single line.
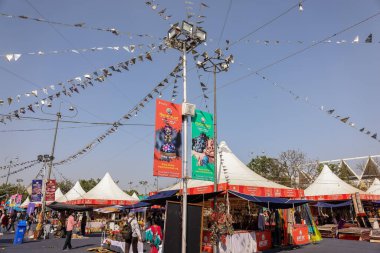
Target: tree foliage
[[10, 189], [270, 168], [65, 185], [291, 168], [87, 185]]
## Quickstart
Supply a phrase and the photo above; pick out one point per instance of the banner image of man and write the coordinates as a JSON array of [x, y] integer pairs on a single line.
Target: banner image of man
[[202, 149], [168, 140]]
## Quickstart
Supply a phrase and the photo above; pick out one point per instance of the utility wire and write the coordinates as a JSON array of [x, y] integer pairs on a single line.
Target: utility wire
[[298, 52], [60, 128]]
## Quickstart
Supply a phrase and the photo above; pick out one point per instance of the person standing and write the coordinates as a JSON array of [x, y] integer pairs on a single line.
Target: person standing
[[69, 231], [83, 223], [12, 221], [136, 234]]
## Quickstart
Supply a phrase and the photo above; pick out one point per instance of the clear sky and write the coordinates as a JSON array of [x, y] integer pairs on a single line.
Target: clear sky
[[254, 116]]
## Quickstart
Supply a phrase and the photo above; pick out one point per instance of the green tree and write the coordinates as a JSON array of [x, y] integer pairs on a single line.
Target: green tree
[[65, 185], [6, 190], [270, 168], [87, 185]]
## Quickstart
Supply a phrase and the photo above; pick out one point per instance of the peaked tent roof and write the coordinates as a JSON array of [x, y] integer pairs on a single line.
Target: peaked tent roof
[[371, 170], [238, 177], [328, 184], [375, 187], [58, 194], [25, 203], [343, 167], [74, 193], [106, 192], [134, 195]]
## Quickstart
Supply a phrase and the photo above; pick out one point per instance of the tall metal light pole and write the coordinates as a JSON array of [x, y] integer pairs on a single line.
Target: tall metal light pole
[[49, 159], [185, 38], [215, 64]]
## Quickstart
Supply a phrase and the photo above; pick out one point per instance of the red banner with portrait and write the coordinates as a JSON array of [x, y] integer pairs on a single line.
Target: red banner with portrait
[[50, 190], [168, 140]]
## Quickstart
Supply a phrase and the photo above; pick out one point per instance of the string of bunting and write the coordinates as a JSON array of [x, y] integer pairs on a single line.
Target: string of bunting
[[190, 12], [16, 165], [74, 84], [20, 170], [133, 112], [160, 11], [203, 87], [77, 25], [12, 57], [356, 41], [330, 112]]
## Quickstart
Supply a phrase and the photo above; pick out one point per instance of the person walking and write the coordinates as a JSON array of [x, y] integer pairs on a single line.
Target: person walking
[[69, 231], [136, 234], [83, 223], [156, 236]]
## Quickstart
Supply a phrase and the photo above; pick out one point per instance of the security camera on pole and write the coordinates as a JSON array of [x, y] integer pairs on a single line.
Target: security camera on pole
[[185, 38]]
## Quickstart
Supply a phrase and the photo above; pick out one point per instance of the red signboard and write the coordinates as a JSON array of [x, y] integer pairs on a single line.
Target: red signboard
[[50, 190], [168, 140], [300, 235], [264, 240]]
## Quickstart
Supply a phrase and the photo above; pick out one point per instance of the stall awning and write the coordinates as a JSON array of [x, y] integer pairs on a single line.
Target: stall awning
[[161, 198], [62, 207], [270, 202], [324, 204]]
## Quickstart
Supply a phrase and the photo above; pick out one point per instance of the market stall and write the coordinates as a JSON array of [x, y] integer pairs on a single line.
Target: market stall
[[74, 193], [105, 193], [234, 176]]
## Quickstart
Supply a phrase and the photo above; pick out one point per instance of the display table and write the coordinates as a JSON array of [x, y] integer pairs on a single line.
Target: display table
[[239, 242], [94, 226], [328, 230], [121, 245], [354, 233]]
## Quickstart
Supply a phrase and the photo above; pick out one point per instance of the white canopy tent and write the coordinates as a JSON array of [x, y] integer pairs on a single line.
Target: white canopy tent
[[328, 186], [134, 195], [25, 203], [58, 194], [106, 192], [74, 193], [233, 174], [375, 187]]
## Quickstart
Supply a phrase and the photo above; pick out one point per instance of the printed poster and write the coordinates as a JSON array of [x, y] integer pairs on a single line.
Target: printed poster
[[168, 140], [50, 190], [202, 148], [36, 190]]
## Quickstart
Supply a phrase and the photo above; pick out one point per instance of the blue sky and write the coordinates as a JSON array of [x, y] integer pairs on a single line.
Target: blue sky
[[254, 116]]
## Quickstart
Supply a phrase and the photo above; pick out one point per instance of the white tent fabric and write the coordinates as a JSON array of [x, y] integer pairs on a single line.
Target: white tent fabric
[[375, 187], [134, 195], [58, 194], [74, 193], [327, 183], [106, 189], [25, 203], [232, 170]]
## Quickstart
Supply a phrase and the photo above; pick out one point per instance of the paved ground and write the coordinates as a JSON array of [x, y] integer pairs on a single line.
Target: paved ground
[[81, 245]]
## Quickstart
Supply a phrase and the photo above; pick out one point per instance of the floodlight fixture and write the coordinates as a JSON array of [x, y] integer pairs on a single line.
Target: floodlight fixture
[[187, 27], [200, 34]]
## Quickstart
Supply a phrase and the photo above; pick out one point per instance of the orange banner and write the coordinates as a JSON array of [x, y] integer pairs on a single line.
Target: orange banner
[[300, 235], [168, 140]]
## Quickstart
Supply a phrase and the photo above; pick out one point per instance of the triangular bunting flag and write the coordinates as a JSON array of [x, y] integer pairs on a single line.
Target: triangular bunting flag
[[369, 39], [344, 120]]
